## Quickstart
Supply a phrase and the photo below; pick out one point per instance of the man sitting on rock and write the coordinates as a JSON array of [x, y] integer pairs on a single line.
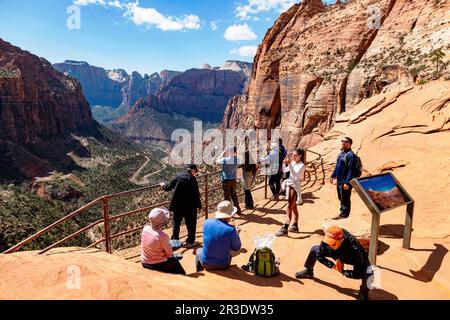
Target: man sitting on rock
[[344, 248], [219, 240]]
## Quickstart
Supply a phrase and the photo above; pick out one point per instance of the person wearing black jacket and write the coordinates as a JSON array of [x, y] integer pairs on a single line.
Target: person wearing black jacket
[[344, 248], [344, 173], [185, 202]]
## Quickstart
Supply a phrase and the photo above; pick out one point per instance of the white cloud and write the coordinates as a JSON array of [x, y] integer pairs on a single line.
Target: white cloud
[[245, 51], [148, 17], [245, 11], [88, 2], [213, 25], [239, 32], [116, 4]]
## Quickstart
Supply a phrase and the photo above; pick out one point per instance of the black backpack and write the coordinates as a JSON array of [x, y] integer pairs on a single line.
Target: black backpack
[[357, 165]]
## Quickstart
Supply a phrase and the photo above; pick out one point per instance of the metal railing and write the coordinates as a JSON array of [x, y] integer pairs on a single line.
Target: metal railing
[[104, 203]]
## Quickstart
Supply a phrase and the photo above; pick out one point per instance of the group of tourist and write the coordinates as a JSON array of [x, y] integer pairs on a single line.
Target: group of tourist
[[221, 237]]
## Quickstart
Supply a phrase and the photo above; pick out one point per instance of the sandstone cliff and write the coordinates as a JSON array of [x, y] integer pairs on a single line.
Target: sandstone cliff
[[37, 106], [116, 87], [98, 87], [144, 123], [318, 61], [200, 93]]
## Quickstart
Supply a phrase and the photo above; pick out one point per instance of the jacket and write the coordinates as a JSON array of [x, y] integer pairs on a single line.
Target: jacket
[[350, 252], [185, 195], [249, 163], [343, 171]]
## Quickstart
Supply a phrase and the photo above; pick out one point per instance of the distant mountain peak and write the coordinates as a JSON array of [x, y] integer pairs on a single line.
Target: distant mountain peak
[[76, 63]]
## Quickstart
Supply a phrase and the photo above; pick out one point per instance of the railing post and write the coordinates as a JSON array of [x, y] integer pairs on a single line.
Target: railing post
[[105, 207], [265, 186], [206, 196]]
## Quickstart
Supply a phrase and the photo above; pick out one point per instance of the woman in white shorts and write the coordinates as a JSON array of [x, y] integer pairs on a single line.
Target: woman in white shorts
[[296, 167]]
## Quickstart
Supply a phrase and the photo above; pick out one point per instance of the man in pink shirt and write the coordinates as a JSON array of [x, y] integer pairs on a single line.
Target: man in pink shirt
[[156, 252]]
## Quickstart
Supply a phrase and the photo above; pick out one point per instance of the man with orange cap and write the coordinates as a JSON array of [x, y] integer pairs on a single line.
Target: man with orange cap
[[344, 248]]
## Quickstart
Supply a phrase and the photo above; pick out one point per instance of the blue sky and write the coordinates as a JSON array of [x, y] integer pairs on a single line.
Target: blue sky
[[146, 35]]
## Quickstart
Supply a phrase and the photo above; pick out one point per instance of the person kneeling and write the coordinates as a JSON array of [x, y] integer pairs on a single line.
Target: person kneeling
[[156, 252], [343, 247], [219, 239]]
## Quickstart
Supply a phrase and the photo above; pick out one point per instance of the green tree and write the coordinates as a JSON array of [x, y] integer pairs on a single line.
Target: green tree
[[437, 57]]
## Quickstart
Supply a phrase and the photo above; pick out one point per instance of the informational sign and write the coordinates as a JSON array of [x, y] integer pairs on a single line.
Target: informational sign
[[383, 192]]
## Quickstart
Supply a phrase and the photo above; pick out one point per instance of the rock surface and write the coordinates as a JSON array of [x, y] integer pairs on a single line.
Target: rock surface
[[143, 123], [318, 61], [97, 86], [39, 109], [200, 93], [114, 87]]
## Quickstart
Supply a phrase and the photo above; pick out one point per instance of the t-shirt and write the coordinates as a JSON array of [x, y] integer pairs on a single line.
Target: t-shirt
[[229, 167], [155, 246], [219, 239]]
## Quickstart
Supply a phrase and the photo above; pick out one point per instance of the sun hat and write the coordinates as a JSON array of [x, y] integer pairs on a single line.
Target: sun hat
[[274, 145], [334, 236], [225, 210], [159, 217]]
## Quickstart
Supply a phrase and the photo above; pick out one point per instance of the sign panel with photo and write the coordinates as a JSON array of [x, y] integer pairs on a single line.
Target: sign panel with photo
[[384, 191]]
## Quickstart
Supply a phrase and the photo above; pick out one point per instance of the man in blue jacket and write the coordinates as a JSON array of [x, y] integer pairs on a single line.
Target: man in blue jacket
[[344, 173], [219, 240]]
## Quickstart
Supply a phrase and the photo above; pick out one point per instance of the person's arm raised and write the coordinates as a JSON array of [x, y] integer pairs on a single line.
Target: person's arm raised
[[220, 158]]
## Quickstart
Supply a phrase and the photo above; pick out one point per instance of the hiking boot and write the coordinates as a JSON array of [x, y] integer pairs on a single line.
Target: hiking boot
[[305, 274], [293, 228], [281, 232]]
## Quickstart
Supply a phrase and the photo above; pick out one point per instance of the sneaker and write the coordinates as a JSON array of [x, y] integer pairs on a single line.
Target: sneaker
[[293, 228], [281, 232], [275, 198], [190, 245], [305, 274]]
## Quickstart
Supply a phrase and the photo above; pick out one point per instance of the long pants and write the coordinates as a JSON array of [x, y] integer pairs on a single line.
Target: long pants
[[275, 183], [190, 220], [359, 271], [201, 266], [344, 198], [247, 181], [170, 266], [230, 192]]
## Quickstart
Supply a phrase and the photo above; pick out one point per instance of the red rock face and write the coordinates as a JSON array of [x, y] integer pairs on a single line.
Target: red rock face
[[317, 61], [388, 199], [200, 93], [37, 104], [36, 100]]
